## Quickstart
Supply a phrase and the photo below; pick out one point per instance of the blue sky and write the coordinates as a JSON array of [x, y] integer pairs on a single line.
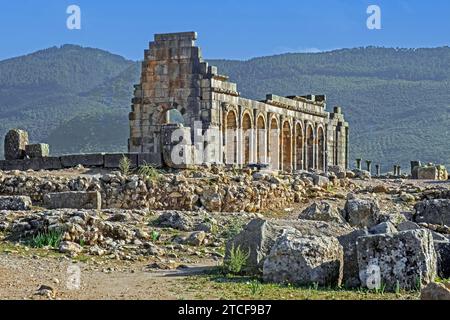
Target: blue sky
[[229, 29]]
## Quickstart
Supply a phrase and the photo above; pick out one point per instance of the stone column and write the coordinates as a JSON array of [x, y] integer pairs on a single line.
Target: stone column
[[369, 165], [358, 164], [378, 169], [399, 170], [395, 170]]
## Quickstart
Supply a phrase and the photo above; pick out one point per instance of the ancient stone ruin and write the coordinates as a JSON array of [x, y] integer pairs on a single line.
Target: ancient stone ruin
[[180, 92]]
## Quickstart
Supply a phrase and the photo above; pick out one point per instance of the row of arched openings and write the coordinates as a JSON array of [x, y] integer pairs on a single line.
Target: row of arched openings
[[284, 147]]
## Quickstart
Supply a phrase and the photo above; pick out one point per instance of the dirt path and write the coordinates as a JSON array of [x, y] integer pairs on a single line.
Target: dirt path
[[21, 277]]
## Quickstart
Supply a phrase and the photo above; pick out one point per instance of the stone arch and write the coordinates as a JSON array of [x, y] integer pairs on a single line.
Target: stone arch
[[310, 147], [286, 136], [230, 136], [247, 137], [274, 144], [169, 114], [299, 146], [320, 149], [261, 140]]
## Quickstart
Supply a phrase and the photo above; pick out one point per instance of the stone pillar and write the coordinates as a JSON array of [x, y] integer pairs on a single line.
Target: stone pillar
[[395, 170], [415, 165], [16, 141], [369, 165], [378, 169], [358, 164], [399, 170]]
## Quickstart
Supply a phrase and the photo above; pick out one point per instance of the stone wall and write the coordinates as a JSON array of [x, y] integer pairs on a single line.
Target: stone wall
[[100, 160], [188, 190]]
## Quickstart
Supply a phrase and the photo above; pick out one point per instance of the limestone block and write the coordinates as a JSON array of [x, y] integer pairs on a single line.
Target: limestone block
[[37, 150], [304, 260], [15, 203], [87, 160], [405, 260], [435, 211], [73, 200], [15, 142]]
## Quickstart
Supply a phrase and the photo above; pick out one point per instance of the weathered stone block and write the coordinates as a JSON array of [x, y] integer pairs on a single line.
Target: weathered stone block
[[9, 165], [87, 160], [259, 236], [433, 211], [362, 213], [73, 200], [15, 203], [153, 159], [304, 260], [404, 260], [47, 163], [15, 142], [37, 150]]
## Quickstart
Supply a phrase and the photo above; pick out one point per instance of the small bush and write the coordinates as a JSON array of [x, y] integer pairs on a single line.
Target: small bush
[[236, 261], [125, 165], [148, 171], [47, 239]]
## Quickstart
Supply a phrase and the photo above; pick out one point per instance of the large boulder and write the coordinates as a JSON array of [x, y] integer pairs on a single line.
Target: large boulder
[[433, 211], [435, 292], [176, 220], [362, 213], [404, 260], [304, 260], [259, 236], [16, 141], [322, 211], [15, 203]]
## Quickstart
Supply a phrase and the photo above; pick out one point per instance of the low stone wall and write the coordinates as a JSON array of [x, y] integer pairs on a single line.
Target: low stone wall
[[101, 160], [187, 190]]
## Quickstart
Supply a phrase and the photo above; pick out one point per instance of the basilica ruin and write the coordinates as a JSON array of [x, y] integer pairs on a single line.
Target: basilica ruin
[[178, 90]]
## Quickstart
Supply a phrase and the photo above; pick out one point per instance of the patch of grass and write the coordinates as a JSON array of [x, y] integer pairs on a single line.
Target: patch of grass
[[149, 172], [236, 261], [243, 288], [125, 165], [50, 239]]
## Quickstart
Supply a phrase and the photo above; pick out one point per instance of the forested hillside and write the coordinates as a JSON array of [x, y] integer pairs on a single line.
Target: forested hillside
[[396, 100]]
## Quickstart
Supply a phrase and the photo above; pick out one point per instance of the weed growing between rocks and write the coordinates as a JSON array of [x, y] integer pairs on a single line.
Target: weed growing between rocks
[[50, 239], [125, 165], [149, 172], [236, 262]]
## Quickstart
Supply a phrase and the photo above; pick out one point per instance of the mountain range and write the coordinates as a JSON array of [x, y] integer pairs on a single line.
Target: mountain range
[[397, 101]]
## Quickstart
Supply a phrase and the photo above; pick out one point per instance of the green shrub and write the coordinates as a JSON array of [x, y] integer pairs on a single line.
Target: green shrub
[[47, 239], [237, 260]]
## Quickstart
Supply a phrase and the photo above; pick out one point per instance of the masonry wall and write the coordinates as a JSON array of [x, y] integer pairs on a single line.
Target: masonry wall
[[290, 133]]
